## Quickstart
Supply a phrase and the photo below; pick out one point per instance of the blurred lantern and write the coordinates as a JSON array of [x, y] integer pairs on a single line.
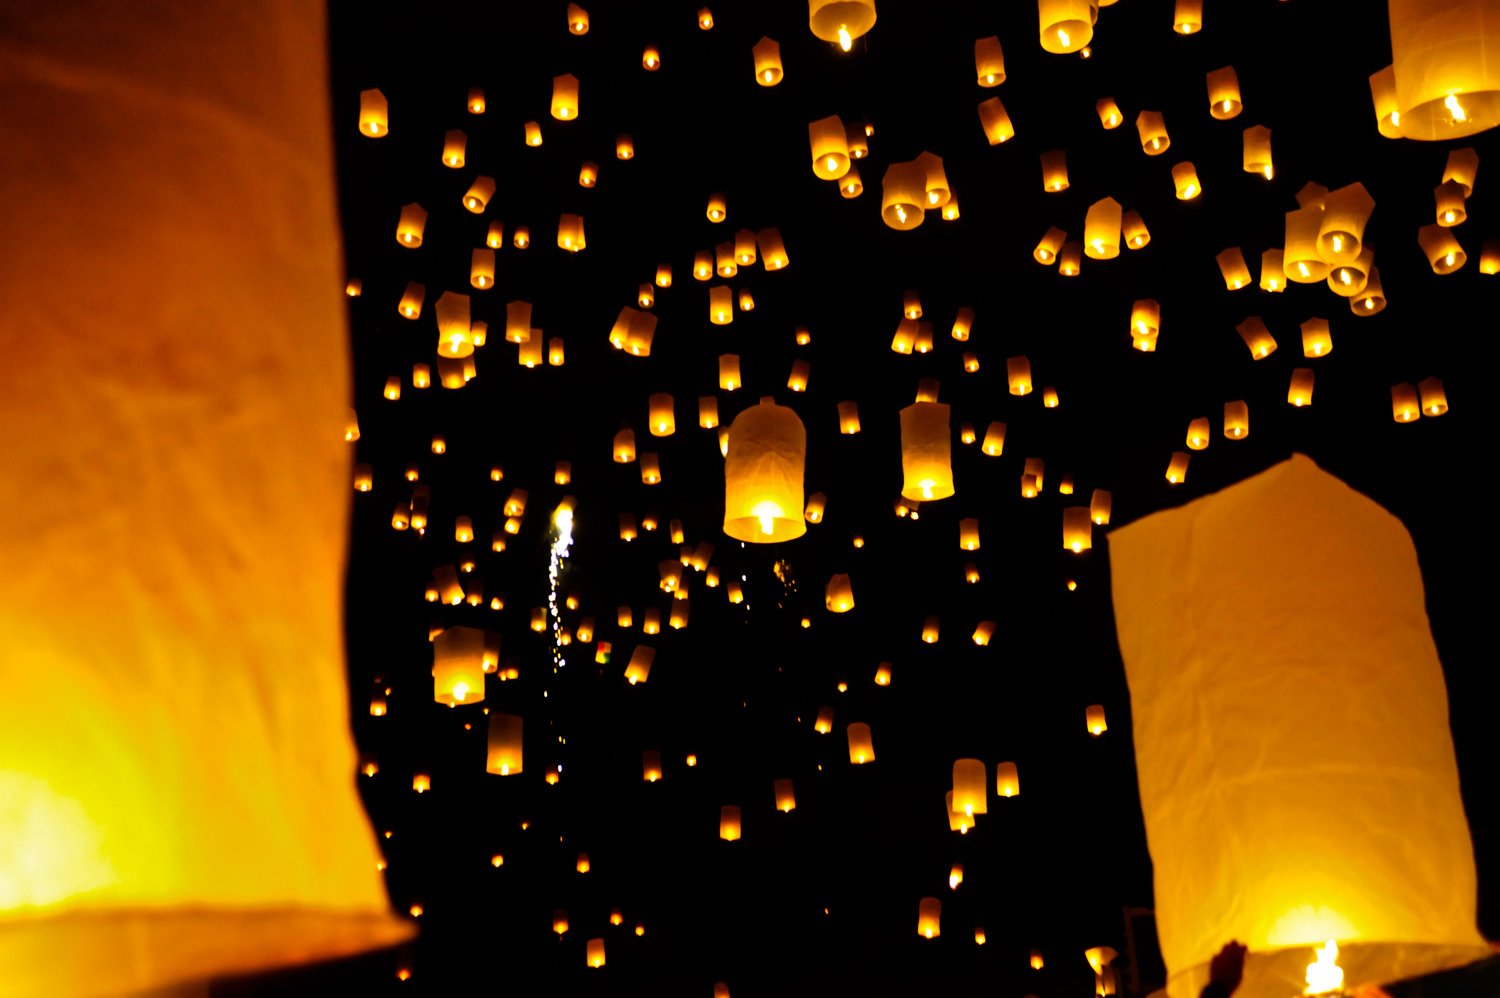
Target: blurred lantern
[[816, 503], [1066, 25], [840, 21], [767, 53], [848, 417], [1109, 112], [1442, 248], [772, 249], [763, 475], [839, 596], [410, 225], [1300, 391], [494, 237], [1054, 171], [1317, 341], [1145, 319], [729, 823], [1077, 529], [651, 59], [1257, 154], [983, 631], [861, 748], [504, 756], [926, 444], [651, 765], [1405, 407], [661, 412], [995, 121], [578, 20], [455, 338], [1101, 504], [989, 61], [957, 820], [374, 119], [1232, 265], [633, 332], [1185, 180], [570, 233], [729, 371], [797, 380], [482, 268], [720, 305], [638, 669], [1152, 128], [903, 195], [930, 630], [962, 323], [522, 237], [532, 132], [1177, 467], [717, 211], [1101, 230], [823, 724], [1447, 67], [624, 446], [1223, 92], [624, 147], [1461, 167], [1093, 718], [786, 797], [1070, 259], [1357, 838], [955, 876], [930, 910], [851, 186], [1007, 780], [1187, 18], [458, 666], [594, 954], [1434, 399]]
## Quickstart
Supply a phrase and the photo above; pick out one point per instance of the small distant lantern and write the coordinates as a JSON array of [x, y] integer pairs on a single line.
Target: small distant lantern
[[1257, 151], [1050, 245], [786, 797], [903, 195], [1093, 717], [624, 147], [1101, 230], [477, 197], [454, 144], [1109, 113], [926, 445], [1054, 171], [848, 418], [1434, 398], [374, 119], [661, 411], [1405, 406], [930, 910], [830, 147], [1443, 251], [410, 305], [1198, 433], [989, 62], [1257, 337], [1300, 391], [729, 823], [995, 121], [1317, 340], [1236, 420], [410, 225], [638, 669], [1185, 180], [1152, 128], [504, 753], [1133, 228], [1232, 265], [1018, 375], [839, 596], [1177, 467], [594, 953], [968, 534], [1077, 529], [1007, 780], [767, 54], [1272, 275]]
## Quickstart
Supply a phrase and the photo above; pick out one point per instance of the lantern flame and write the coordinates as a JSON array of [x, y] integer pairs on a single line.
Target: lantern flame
[[846, 43], [1324, 975], [1455, 108]]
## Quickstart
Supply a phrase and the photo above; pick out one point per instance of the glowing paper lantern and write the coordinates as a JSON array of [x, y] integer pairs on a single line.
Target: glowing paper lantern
[[1223, 92], [839, 596], [786, 797], [594, 953], [1101, 230], [1449, 198], [1446, 57], [1301, 820], [1077, 529], [1007, 780], [1317, 341], [729, 823], [840, 21], [989, 61], [1442, 248], [970, 787], [1461, 167], [1301, 259], [1054, 171], [861, 747], [505, 753], [1133, 228], [1434, 399], [410, 225], [458, 666], [1110, 115], [1152, 128], [1066, 25], [1387, 110], [1300, 391], [1257, 151], [1051, 244], [638, 669], [1232, 265], [903, 195], [929, 918], [830, 148], [926, 451], [175, 761], [1093, 720], [1341, 228], [1185, 180], [374, 119], [578, 20], [1405, 407], [995, 121], [763, 471], [767, 53], [1187, 18], [1018, 375]]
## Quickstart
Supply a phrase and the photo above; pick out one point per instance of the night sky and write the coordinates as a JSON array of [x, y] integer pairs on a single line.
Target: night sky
[[824, 900]]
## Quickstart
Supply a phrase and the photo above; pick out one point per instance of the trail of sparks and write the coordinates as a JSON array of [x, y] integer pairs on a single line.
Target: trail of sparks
[[563, 523]]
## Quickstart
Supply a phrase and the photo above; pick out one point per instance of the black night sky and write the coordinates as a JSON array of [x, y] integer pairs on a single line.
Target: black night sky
[[823, 900]]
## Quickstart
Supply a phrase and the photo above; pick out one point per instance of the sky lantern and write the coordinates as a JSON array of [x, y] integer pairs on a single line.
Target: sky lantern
[[638, 669], [1050, 245], [861, 745], [903, 195], [763, 496], [1341, 228], [1133, 228], [1198, 434], [989, 61], [1446, 58], [929, 918], [1383, 96], [1449, 197], [839, 595], [1007, 780], [729, 823], [1257, 151], [1110, 115], [970, 786], [455, 334], [1152, 128], [1066, 25], [176, 765], [1187, 17], [565, 97], [1461, 167], [1405, 405], [504, 757], [926, 445], [578, 20], [1299, 393], [1302, 259], [1054, 171], [411, 224], [1234, 269], [454, 144], [458, 666], [1018, 375], [767, 55], [1077, 529], [594, 952], [1442, 248], [1093, 718], [1434, 398], [1223, 93], [374, 114], [995, 121], [1353, 837], [1317, 340], [840, 21], [1101, 230], [1185, 180]]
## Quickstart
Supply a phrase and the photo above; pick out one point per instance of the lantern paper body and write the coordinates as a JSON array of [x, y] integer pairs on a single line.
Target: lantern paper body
[[763, 469], [504, 756], [1265, 690], [926, 451], [1446, 57], [458, 666], [187, 809]]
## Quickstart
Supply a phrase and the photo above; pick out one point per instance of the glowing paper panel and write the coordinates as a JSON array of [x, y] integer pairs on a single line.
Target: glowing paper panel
[[1291, 733], [176, 775]]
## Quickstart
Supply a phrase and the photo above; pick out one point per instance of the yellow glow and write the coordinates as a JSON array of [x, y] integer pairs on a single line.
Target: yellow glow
[[1457, 111], [846, 43], [1324, 975], [1063, 39]]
